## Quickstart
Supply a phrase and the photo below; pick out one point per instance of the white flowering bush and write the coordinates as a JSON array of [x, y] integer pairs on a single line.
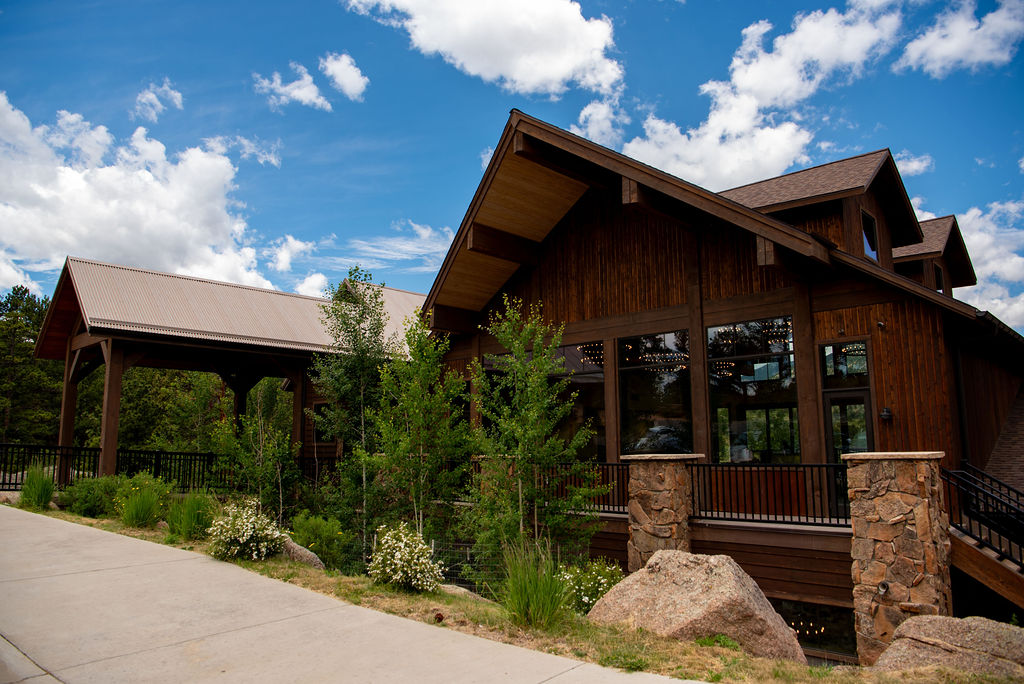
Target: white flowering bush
[[402, 559], [243, 532], [587, 583]]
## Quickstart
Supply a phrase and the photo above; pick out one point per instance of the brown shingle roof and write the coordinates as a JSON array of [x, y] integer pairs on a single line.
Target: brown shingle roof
[[845, 175], [134, 300], [936, 234]]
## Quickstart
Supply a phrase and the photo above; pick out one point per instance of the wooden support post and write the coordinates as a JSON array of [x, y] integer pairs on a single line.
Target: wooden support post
[[298, 410], [812, 421], [700, 412], [68, 402], [612, 412], [114, 357]]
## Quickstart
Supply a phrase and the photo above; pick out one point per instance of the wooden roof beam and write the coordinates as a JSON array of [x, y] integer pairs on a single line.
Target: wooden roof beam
[[452, 319], [559, 161], [502, 245]]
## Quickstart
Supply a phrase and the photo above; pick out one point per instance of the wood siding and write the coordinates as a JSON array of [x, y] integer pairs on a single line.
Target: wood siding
[[824, 220], [787, 562], [911, 372], [729, 256], [604, 259], [989, 390]]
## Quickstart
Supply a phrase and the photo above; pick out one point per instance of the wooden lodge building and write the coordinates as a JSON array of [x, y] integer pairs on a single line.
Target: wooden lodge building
[[778, 324], [782, 322]]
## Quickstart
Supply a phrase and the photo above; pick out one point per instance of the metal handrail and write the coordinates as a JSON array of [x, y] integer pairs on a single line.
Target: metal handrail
[[797, 494], [985, 514]]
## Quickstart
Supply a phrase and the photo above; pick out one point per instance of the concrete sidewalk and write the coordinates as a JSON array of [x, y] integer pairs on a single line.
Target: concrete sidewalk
[[82, 605]]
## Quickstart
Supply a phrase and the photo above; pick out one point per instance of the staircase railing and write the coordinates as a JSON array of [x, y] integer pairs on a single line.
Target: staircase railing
[[987, 510]]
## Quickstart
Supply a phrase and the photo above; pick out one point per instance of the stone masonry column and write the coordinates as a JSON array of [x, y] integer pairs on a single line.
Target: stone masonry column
[[659, 504], [900, 544]]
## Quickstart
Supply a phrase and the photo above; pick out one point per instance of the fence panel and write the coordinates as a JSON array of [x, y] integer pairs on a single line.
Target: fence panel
[[801, 494], [16, 459]]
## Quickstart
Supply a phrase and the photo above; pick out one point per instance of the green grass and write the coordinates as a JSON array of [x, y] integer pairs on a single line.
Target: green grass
[[624, 660], [190, 517], [719, 640], [533, 593], [141, 508], [36, 489]]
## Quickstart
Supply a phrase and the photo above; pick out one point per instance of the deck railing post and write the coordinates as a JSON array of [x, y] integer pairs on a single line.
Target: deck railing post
[[660, 499], [900, 544]]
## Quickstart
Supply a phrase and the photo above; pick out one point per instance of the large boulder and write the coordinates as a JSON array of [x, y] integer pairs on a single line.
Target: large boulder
[[973, 644], [301, 554], [687, 596]]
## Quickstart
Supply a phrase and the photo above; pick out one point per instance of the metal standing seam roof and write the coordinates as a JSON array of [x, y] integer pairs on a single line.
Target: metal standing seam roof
[[835, 177], [122, 298]]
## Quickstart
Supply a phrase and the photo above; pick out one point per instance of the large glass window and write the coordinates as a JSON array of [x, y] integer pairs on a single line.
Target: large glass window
[[844, 365], [584, 363], [847, 398], [752, 392], [654, 394], [870, 231]]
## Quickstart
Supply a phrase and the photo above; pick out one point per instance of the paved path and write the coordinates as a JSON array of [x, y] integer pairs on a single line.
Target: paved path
[[82, 605]]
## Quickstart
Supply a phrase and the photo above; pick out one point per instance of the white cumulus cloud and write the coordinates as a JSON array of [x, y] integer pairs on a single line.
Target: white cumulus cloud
[[302, 90], [913, 165], [345, 75], [958, 39], [995, 241], [312, 285], [602, 122], [922, 213], [68, 189], [412, 242], [150, 103], [746, 136], [528, 47], [285, 249]]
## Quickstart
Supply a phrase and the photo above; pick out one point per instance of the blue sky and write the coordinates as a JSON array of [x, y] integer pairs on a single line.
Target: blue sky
[[276, 144]]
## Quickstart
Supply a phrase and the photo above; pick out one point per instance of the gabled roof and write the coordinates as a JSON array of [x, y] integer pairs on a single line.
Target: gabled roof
[[942, 238], [125, 301], [835, 180], [536, 174]]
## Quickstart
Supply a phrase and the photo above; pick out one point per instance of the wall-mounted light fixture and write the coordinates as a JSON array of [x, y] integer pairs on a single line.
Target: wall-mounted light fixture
[[886, 413]]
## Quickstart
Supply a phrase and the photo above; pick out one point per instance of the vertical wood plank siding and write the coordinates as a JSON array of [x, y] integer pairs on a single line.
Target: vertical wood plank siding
[[911, 369], [729, 256], [824, 220], [604, 259], [989, 393]]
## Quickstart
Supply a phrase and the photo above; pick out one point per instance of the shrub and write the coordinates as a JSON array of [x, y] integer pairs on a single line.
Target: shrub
[[534, 593], [92, 497], [326, 538], [585, 584], [243, 532], [36, 489], [191, 516], [142, 499], [402, 559]]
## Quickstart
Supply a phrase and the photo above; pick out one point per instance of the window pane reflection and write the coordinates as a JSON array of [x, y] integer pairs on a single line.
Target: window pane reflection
[[654, 394], [752, 392]]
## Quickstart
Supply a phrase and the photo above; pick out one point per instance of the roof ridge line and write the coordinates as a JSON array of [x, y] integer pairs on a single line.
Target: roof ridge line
[[809, 168]]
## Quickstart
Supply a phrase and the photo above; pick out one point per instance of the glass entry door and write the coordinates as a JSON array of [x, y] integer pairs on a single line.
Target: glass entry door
[[848, 423]]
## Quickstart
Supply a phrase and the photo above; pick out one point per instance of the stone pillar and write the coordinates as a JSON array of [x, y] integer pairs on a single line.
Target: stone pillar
[[659, 504], [900, 544]]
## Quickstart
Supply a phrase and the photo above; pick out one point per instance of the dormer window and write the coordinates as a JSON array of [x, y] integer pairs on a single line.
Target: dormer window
[[870, 236], [939, 284]]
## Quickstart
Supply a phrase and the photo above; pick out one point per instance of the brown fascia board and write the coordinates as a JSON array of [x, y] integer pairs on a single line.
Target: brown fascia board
[[65, 280], [704, 200], [810, 200], [971, 278], [904, 283], [903, 199]]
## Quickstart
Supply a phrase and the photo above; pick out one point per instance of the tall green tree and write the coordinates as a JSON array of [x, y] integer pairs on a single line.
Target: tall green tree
[[422, 436], [29, 387], [531, 483], [349, 377]]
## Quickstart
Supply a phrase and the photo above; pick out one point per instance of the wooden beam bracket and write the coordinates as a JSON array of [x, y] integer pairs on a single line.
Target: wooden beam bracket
[[452, 319], [499, 244]]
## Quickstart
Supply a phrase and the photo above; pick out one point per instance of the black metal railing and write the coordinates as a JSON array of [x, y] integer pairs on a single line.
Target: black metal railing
[[16, 459], [188, 471], [987, 510], [613, 476], [799, 494]]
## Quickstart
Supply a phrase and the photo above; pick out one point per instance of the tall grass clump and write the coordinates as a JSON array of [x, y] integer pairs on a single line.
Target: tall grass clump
[[142, 499], [190, 517], [534, 593], [36, 489]]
